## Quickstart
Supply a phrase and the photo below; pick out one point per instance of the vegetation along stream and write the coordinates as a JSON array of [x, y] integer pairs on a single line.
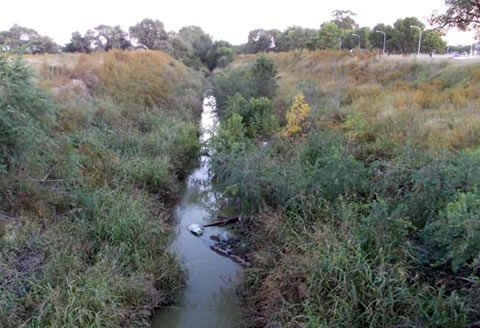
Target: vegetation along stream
[[209, 299]]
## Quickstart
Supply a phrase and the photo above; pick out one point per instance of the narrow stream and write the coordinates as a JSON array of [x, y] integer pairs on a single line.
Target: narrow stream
[[209, 299]]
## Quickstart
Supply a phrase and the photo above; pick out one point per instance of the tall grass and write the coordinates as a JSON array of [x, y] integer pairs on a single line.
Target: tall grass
[[92, 155], [427, 103], [369, 219]]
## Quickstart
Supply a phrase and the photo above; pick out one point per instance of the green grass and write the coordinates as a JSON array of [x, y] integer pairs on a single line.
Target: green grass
[[88, 175], [370, 219]]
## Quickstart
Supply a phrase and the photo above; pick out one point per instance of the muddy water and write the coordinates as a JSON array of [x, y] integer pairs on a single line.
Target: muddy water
[[209, 299]]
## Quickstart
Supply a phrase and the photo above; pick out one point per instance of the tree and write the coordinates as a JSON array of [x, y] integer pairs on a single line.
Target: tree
[[79, 43], [149, 33], [294, 37], [4, 41], [344, 20], [459, 48], [198, 40], [376, 39], [261, 41], [26, 40], [405, 38], [463, 14], [348, 40], [351, 42], [43, 44], [263, 78], [107, 37], [221, 54], [364, 33], [328, 37], [433, 42], [180, 48]]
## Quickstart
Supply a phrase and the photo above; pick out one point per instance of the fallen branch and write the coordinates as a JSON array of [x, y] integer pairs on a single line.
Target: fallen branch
[[224, 221], [227, 253]]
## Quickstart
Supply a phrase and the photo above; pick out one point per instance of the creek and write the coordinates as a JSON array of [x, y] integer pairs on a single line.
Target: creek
[[209, 299]]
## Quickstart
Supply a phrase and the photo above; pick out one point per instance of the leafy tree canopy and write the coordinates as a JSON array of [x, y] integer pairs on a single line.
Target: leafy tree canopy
[[27, 40], [344, 19], [149, 33], [463, 14]]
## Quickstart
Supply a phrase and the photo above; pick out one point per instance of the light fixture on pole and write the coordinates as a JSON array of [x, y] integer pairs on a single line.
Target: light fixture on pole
[[359, 38], [384, 40], [420, 38]]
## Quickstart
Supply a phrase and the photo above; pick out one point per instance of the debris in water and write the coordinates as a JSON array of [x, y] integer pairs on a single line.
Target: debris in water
[[220, 251], [196, 229], [215, 238]]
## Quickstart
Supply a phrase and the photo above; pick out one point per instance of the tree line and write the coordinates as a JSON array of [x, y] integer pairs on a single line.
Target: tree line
[[191, 44], [343, 32], [195, 47]]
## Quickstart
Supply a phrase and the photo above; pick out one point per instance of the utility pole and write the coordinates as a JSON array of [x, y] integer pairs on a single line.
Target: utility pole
[[359, 38], [384, 40], [420, 38]]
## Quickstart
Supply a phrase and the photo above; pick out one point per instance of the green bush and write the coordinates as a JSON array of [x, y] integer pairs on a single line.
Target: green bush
[[255, 81], [229, 83], [263, 78], [231, 136], [26, 115], [454, 236], [257, 115], [287, 174]]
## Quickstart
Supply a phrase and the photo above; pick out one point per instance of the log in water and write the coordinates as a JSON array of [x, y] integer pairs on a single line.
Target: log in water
[[209, 299]]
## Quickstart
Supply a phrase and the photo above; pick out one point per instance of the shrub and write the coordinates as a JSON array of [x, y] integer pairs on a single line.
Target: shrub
[[255, 81], [257, 115], [26, 115], [296, 117], [231, 136], [227, 84], [288, 174], [454, 236], [263, 78]]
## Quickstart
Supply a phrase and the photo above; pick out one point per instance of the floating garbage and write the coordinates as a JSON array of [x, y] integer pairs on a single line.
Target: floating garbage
[[196, 229]]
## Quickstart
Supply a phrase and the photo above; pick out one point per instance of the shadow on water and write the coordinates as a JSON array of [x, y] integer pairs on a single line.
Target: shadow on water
[[209, 299]]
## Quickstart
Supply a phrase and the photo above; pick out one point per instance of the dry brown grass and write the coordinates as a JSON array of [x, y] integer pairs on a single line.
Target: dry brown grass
[[125, 75], [435, 104]]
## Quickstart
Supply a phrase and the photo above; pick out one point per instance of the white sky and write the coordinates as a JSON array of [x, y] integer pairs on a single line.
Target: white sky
[[228, 20]]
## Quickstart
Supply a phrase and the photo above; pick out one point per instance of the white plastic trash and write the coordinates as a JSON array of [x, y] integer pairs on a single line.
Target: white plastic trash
[[195, 229]]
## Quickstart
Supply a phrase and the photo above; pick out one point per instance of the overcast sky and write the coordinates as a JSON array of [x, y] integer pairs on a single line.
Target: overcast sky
[[223, 19]]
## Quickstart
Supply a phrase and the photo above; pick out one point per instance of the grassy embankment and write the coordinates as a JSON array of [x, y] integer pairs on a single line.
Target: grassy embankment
[[368, 214], [92, 151]]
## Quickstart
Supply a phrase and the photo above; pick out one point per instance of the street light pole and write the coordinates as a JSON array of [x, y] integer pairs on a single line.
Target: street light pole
[[420, 38], [384, 40], [359, 38]]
